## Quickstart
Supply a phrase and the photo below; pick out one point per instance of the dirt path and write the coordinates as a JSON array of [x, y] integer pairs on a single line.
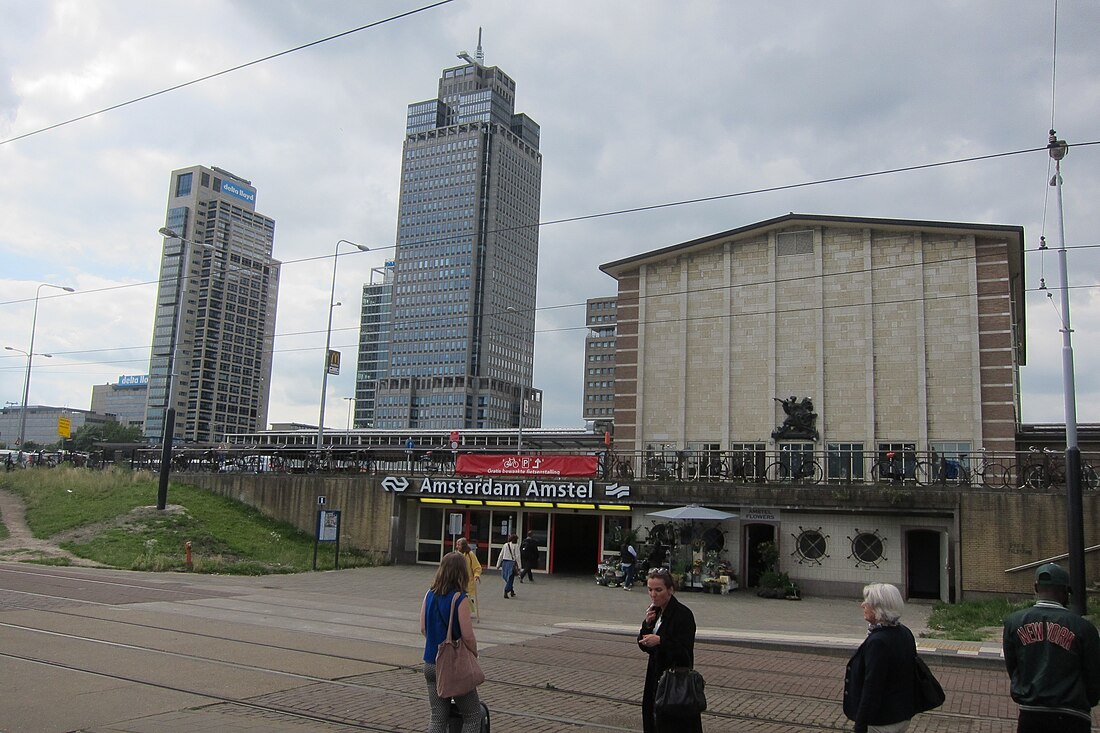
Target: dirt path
[[21, 544]]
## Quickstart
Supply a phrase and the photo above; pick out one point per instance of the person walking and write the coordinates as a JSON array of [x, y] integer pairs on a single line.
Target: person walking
[[1053, 659], [628, 557], [668, 637], [473, 571], [509, 561], [450, 580], [879, 681], [529, 555]]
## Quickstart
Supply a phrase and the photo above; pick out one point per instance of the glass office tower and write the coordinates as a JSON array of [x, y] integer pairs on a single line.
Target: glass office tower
[[461, 345], [214, 328]]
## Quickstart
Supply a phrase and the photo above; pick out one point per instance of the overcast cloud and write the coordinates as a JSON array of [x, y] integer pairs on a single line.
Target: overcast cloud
[[640, 103]]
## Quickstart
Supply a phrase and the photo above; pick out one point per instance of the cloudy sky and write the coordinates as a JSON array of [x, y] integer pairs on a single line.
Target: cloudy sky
[[641, 103]]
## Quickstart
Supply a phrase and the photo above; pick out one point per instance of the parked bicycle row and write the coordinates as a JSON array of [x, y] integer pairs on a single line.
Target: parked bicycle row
[[1035, 469]]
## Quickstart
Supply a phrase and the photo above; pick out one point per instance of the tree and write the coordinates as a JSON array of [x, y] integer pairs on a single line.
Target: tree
[[87, 435]]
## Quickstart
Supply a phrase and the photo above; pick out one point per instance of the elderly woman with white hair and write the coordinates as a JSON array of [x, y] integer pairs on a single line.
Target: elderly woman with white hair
[[879, 680]]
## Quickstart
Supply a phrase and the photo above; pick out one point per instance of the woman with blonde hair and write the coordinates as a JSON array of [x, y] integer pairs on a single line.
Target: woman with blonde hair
[[879, 680], [450, 579], [473, 570]]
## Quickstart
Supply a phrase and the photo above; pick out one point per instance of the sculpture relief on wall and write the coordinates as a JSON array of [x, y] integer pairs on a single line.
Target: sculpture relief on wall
[[800, 422]]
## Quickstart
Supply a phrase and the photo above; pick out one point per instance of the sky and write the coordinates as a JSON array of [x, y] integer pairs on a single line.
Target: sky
[[641, 103]]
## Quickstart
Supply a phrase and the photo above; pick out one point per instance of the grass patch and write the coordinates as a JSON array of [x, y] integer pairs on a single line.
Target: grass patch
[[108, 517], [979, 620]]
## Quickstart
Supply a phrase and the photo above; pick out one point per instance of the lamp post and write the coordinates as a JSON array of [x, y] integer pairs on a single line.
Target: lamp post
[[30, 355], [22, 420], [167, 433], [328, 337], [1075, 529]]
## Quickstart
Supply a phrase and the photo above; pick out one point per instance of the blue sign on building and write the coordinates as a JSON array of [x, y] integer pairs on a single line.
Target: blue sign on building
[[133, 380], [244, 193]]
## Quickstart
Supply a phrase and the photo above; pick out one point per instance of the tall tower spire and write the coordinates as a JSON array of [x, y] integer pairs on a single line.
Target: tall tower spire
[[480, 54]]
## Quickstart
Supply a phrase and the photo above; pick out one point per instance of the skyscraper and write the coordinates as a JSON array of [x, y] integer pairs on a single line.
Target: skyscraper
[[375, 320], [214, 327], [461, 345]]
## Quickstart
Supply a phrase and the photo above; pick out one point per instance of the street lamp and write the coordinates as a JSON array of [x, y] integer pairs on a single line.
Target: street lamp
[[30, 355], [1075, 528], [167, 433], [328, 337], [351, 403]]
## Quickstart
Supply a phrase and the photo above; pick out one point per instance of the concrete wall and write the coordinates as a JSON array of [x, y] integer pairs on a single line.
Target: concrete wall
[[366, 519]]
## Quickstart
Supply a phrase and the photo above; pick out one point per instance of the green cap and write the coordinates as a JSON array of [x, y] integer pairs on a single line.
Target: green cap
[[1052, 574]]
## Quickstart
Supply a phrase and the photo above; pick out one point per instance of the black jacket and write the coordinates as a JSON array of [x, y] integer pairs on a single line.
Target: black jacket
[[529, 550], [879, 682], [677, 649], [1053, 658]]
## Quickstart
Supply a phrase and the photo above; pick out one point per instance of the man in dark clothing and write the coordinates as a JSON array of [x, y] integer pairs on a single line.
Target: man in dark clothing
[[1053, 658], [529, 555]]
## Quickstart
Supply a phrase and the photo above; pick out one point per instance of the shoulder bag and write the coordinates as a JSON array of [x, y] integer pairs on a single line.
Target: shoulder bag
[[928, 693], [680, 691], [457, 672]]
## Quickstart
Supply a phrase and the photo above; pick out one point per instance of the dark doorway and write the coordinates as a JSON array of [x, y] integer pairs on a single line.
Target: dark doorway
[[923, 563], [575, 544], [754, 534]]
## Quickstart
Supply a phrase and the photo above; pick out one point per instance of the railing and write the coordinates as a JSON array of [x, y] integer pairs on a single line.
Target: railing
[[1025, 470]]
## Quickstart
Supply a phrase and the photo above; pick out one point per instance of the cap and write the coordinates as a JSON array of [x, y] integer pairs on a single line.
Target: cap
[[1052, 574]]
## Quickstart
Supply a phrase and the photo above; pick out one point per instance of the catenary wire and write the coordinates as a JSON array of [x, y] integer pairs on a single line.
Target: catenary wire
[[223, 72]]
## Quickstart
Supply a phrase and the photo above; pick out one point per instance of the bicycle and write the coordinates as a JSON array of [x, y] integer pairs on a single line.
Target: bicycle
[[616, 467], [743, 466], [899, 467], [1049, 472], [428, 463], [710, 467], [992, 475], [787, 470]]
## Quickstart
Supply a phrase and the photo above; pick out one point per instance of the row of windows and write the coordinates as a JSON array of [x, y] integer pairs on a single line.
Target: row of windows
[[600, 384], [601, 370], [601, 357], [600, 398]]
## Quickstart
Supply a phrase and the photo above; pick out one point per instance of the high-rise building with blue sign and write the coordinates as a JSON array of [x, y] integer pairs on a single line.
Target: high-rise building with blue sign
[[214, 328], [461, 344]]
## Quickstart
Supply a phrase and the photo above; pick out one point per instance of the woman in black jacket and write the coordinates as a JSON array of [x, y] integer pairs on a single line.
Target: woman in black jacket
[[668, 637], [879, 682]]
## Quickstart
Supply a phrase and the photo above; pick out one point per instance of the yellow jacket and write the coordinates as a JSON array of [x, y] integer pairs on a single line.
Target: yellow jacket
[[474, 568]]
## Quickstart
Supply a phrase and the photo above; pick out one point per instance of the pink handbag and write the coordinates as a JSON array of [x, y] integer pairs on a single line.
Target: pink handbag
[[457, 672]]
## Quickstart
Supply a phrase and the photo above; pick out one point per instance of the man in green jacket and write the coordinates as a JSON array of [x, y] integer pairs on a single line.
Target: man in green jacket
[[1053, 658]]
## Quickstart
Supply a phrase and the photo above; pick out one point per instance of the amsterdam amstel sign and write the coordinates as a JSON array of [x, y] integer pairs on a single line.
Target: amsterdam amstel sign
[[494, 488]]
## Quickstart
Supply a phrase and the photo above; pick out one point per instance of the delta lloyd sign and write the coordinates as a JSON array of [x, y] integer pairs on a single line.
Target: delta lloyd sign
[[244, 193], [492, 488]]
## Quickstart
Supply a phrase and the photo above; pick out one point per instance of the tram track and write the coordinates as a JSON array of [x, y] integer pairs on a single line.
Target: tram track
[[716, 719]]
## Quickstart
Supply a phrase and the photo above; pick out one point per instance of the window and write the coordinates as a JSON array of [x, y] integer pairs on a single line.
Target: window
[[905, 452], [794, 243], [183, 184], [811, 545], [844, 462], [867, 548]]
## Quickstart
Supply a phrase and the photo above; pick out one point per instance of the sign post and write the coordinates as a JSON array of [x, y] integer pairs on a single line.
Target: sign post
[[328, 530]]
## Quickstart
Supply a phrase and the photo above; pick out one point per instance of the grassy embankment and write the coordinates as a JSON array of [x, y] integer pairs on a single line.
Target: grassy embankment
[[980, 620], [105, 516]]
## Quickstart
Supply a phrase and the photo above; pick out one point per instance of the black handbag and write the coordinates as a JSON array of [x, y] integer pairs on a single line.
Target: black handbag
[[680, 691], [928, 693]]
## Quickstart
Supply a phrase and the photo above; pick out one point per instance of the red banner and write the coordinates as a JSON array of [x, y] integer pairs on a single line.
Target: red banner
[[480, 464]]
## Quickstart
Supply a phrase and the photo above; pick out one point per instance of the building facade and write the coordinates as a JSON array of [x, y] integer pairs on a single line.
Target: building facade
[[375, 320], [461, 338], [826, 344], [42, 423], [214, 328], [599, 360], [125, 399]]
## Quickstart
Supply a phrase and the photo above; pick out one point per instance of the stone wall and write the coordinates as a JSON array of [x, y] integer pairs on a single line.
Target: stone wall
[[367, 519]]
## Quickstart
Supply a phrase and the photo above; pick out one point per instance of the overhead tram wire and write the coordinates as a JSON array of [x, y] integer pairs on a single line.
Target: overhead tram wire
[[223, 72], [616, 212], [636, 209]]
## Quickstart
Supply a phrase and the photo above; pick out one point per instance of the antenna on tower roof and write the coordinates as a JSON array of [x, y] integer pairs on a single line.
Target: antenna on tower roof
[[480, 53]]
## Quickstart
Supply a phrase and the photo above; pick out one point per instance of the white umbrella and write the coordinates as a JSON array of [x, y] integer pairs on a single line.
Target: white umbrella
[[692, 511]]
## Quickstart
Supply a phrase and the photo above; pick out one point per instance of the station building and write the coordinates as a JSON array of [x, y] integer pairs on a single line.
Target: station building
[[835, 342]]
